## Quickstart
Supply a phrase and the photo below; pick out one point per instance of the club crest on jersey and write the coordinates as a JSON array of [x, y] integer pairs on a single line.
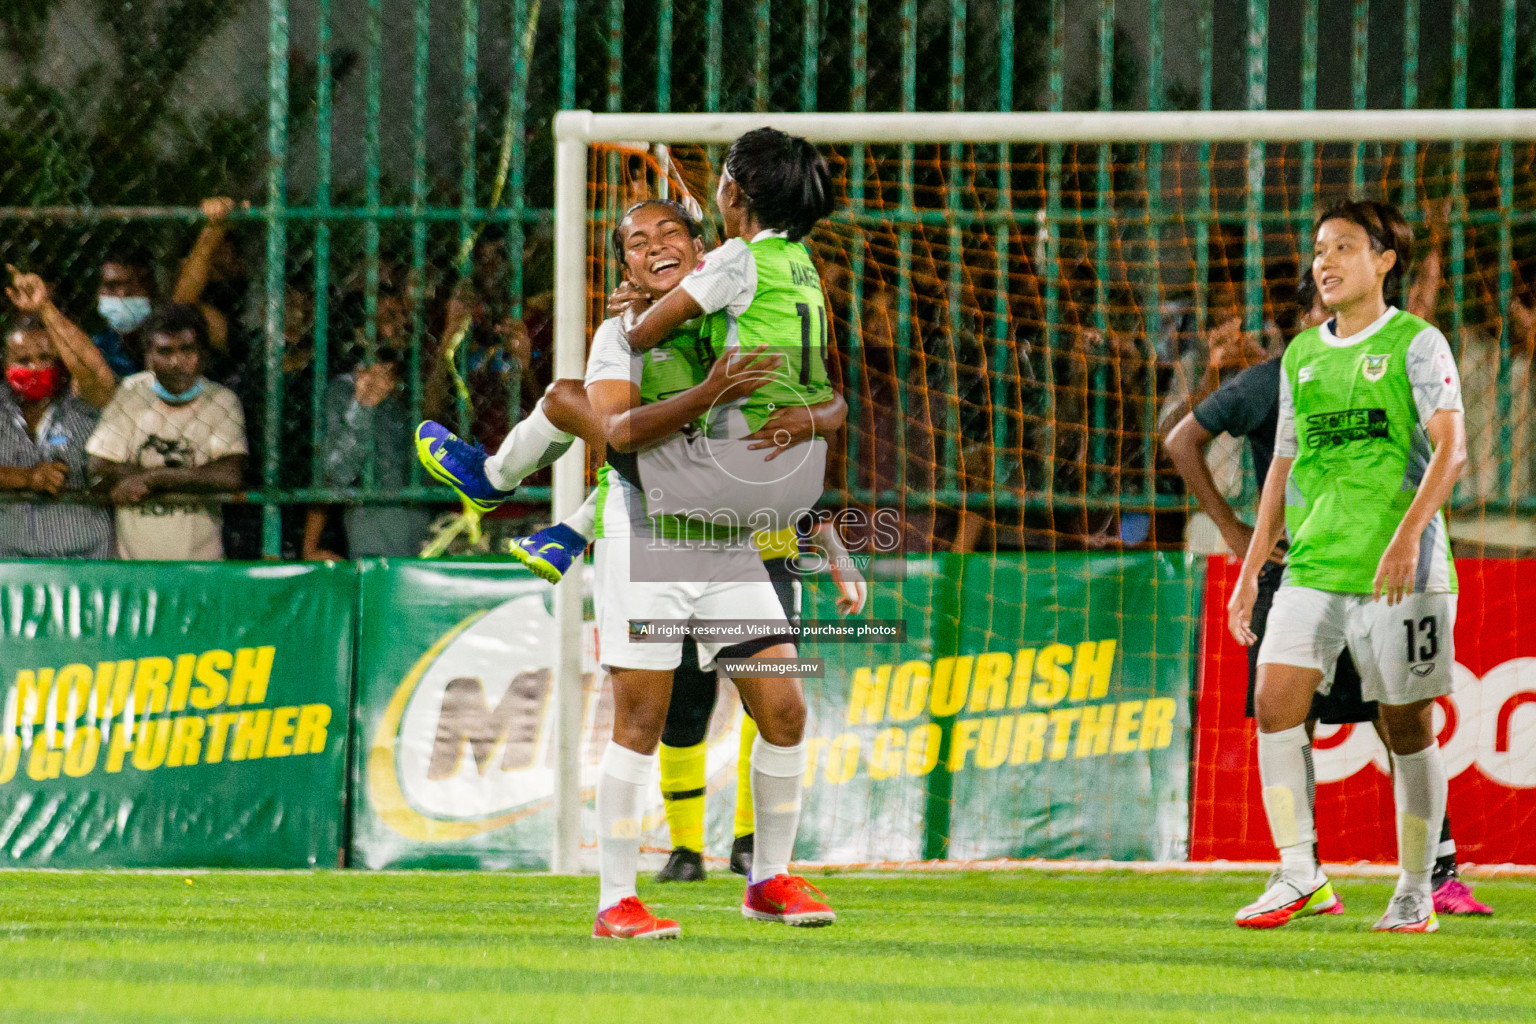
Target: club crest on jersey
[[1373, 368], [1304, 375]]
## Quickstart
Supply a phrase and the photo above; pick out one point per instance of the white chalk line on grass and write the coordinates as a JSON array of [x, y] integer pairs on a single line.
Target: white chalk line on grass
[[1354, 870]]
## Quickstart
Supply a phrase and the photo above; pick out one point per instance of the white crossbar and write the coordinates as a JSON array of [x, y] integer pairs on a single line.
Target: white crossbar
[[1085, 126]]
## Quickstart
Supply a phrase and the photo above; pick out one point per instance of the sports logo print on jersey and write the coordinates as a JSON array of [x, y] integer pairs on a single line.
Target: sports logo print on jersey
[[1333, 429], [1373, 367]]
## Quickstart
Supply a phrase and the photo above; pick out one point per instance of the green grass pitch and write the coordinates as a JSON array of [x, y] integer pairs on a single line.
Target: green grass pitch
[[1027, 946]]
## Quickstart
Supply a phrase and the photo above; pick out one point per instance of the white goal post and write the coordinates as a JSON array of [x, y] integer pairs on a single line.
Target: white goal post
[[576, 130]]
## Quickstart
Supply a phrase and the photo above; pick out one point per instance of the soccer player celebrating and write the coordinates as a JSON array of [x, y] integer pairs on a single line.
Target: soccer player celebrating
[[759, 289], [767, 294], [1248, 406], [1369, 443], [628, 590]]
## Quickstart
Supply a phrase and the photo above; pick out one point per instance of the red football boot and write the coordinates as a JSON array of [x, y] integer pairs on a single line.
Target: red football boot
[[628, 919], [787, 899]]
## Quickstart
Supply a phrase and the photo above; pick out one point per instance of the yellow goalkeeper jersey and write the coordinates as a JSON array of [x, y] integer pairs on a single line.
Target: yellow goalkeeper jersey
[[777, 543]]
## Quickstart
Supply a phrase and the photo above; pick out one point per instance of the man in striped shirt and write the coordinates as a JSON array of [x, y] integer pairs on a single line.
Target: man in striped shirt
[[44, 425]]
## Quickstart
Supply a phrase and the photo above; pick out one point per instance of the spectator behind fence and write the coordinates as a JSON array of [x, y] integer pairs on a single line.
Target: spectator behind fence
[[124, 299], [89, 375], [170, 430], [213, 278], [368, 444], [44, 427], [496, 349]]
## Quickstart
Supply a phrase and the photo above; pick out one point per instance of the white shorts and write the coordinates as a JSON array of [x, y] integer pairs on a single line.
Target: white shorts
[[738, 590], [1405, 652], [723, 480]]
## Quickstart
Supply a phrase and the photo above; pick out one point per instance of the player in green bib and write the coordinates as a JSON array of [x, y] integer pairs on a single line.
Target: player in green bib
[[759, 290], [1368, 448]]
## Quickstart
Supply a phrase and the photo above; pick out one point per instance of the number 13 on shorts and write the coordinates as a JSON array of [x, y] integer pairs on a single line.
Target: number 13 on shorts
[[1413, 657]]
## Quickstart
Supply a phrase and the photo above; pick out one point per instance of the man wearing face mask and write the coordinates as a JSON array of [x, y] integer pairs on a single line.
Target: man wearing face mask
[[124, 302], [170, 430], [44, 426]]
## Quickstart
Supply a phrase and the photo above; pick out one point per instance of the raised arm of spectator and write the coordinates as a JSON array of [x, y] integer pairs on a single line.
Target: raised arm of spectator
[[197, 268], [1231, 348], [90, 376], [349, 422], [438, 390]]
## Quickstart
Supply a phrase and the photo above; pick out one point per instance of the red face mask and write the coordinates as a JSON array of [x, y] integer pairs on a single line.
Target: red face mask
[[33, 385]]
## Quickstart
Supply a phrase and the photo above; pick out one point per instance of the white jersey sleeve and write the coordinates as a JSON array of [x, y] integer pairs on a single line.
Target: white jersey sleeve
[[1432, 374], [725, 279], [610, 357], [1285, 427]]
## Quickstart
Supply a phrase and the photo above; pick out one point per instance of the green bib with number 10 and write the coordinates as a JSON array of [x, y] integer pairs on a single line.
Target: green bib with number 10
[[788, 314]]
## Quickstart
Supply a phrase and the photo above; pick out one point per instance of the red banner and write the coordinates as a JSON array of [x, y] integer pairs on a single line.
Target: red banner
[[1487, 732]]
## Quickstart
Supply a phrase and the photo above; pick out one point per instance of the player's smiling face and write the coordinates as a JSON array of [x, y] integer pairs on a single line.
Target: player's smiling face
[[658, 251], [1346, 266]]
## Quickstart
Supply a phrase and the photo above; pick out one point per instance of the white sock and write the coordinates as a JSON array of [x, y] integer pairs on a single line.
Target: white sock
[[1285, 771], [778, 775], [584, 519], [531, 445], [620, 788], [1419, 785], [1447, 847]]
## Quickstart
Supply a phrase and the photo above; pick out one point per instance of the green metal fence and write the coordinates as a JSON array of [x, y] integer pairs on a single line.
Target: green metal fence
[[396, 133]]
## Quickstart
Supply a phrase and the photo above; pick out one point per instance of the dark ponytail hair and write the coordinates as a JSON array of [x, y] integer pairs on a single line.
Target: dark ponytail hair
[[695, 229], [1388, 230], [785, 178]]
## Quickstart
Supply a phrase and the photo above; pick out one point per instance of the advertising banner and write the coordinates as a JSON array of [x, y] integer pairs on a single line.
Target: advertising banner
[[1038, 706], [174, 715], [1486, 729], [455, 760]]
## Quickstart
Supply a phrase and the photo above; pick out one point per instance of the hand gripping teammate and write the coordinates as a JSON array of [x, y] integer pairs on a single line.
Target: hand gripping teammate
[[1369, 443], [1248, 407]]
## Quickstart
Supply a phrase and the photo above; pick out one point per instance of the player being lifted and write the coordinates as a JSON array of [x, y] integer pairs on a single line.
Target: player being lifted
[[783, 312], [1369, 443], [1248, 406]]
